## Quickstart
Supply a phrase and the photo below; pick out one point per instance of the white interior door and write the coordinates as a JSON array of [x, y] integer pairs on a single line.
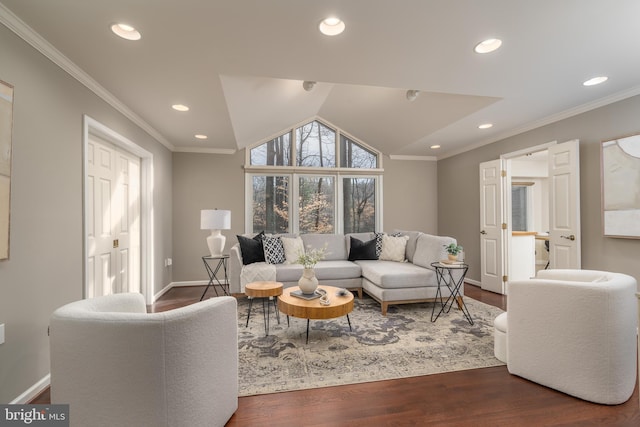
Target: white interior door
[[491, 226], [112, 220], [564, 205]]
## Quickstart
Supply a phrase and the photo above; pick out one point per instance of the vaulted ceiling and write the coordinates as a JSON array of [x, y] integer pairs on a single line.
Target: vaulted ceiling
[[239, 65]]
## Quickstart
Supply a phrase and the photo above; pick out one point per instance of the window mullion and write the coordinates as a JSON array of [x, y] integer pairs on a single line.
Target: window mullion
[[294, 212], [294, 148], [339, 205]]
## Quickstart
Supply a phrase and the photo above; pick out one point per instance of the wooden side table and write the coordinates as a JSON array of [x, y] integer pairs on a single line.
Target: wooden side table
[[267, 291], [312, 309]]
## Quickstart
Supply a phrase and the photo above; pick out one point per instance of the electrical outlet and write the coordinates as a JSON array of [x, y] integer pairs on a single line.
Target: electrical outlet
[[2, 333], [168, 262]]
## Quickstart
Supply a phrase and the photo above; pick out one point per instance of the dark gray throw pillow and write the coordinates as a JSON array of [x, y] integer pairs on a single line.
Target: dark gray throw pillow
[[362, 250], [251, 249]]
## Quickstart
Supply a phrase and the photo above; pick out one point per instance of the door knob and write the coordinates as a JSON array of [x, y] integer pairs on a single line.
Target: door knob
[[570, 237], [483, 232]]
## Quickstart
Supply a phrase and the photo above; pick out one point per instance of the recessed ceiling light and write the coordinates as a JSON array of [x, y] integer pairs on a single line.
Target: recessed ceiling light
[[412, 94], [488, 45], [126, 31], [595, 81], [331, 26], [485, 126], [308, 85], [200, 136], [180, 107], [435, 147]]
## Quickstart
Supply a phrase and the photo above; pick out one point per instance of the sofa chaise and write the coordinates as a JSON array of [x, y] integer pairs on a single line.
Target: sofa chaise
[[389, 279]]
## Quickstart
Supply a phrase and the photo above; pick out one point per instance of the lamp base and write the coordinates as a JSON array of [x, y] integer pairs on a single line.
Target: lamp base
[[216, 243]]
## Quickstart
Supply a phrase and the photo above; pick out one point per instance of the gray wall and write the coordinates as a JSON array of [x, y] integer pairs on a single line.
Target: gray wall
[[45, 266], [205, 181], [410, 195], [459, 187]]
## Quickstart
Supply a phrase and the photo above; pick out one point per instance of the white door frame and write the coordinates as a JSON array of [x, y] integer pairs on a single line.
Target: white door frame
[[91, 126], [492, 233], [507, 184]]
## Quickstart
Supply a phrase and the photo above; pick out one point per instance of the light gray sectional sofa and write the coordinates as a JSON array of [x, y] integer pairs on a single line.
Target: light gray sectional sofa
[[388, 282]]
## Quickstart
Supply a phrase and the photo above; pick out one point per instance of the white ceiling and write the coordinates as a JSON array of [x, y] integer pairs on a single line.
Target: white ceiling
[[239, 65]]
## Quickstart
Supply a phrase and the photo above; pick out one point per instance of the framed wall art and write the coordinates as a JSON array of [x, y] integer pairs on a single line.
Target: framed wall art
[[620, 165], [6, 125]]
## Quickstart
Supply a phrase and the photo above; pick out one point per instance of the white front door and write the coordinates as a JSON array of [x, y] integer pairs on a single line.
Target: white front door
[[564, 205], [112, 209], [491, 228]]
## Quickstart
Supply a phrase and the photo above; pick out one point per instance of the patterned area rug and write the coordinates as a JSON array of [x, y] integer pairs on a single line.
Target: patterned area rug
[[403, 344]]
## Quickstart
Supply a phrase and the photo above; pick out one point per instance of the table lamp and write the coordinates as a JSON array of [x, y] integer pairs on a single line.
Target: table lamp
[[215, 220]]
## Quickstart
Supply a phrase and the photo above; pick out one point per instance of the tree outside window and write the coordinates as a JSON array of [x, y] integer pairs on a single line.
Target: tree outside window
[[359, 201], [270, 204], [276, 152], [316, 204], [315, 146]]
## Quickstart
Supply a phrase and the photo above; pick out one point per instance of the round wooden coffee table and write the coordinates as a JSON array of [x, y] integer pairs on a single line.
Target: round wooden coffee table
[[312, 309], [264, 290]]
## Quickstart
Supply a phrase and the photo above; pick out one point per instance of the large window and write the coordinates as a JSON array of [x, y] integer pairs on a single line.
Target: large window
[[359, 206], [276, 152], [270, 203], [315, 146], [295, 184], [316, 208], [355, 155], [521, 203]]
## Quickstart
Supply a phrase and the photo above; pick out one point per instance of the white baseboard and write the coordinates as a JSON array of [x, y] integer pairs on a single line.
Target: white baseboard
[[473, 282], [177, 285], [32, 391]]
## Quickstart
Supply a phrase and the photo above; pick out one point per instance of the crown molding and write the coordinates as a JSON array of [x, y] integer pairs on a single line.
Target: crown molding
[[420, 158], [203, 150], [26, 33]]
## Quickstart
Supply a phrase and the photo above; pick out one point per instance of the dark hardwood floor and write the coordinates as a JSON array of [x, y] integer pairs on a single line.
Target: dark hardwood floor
[[479, 397]]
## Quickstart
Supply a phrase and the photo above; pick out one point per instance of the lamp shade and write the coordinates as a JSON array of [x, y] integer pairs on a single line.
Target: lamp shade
[[215, 219]]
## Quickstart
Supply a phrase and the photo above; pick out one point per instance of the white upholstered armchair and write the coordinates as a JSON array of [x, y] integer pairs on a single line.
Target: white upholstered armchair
[[575, 331], [117, 365]]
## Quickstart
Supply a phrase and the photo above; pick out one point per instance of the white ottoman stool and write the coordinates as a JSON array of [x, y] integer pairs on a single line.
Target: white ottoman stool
[[500, 337]]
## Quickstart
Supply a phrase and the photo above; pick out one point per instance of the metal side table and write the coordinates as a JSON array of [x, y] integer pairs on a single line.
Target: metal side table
[[212, 271], [452, 276]]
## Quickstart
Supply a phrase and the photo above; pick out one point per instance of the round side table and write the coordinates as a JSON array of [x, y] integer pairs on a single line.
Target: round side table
[[267, 291]]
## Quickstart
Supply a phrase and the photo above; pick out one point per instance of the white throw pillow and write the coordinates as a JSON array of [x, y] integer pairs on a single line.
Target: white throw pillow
[[293, 248], [393, 248]]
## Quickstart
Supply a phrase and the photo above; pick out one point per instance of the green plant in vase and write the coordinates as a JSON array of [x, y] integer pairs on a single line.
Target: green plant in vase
[[453, 250]]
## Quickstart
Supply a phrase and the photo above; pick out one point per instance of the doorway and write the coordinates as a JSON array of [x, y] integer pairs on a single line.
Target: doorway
[[497, 242], [117, 220], [529, 214]]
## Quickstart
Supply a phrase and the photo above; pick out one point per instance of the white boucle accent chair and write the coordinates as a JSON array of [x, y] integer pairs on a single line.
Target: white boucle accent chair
[[117, 365], [575, 331]]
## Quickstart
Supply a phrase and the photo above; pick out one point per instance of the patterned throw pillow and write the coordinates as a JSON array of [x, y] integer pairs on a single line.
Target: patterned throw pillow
[[273, 250], [393, 248], [379, 241]]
